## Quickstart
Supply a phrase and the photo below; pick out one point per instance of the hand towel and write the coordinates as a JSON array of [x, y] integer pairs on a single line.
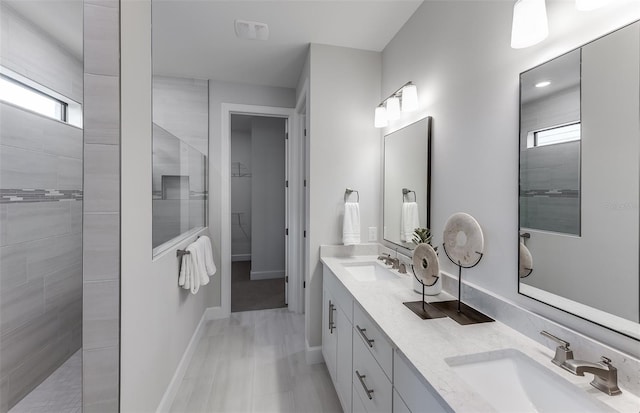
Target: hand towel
[[410, 221], [183, 280], [194, 278], [351, 224], [208, 255], [199, 258]]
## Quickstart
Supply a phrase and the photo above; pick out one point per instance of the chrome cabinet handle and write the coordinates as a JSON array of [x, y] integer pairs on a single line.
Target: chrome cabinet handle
[[364, 336], [364, 386], [332, 325]]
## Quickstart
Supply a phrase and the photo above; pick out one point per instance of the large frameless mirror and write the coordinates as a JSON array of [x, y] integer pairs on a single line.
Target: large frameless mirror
[[180, 149], [407, 186], [579, 181]]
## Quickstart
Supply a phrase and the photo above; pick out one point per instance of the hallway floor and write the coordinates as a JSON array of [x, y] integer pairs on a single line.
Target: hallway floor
[[61, 392], [247, 295], [254, 361]]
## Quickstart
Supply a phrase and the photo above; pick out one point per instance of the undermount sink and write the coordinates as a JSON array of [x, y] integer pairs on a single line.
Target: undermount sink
[[369, 271], [512, 382]]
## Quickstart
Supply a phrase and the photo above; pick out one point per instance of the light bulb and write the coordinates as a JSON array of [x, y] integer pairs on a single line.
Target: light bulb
[[393, 108], [409, 98], [380, 117], [529, 24]]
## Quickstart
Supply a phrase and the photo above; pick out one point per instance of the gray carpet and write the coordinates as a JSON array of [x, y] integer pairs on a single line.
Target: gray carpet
[[247, 295]]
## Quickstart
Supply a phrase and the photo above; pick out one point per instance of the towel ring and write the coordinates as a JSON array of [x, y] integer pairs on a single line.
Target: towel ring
[[348, 192], [406, 192]]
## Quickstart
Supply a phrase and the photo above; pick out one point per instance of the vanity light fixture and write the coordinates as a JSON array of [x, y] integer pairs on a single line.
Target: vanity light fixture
[[529, 25], [543, 84], [586, 5], [390, 108]]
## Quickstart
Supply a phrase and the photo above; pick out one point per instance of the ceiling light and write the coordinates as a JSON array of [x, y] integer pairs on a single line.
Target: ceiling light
[[586, 5], [389, 108], [543, 84], [249, 30], [529, 24], [381, 117]]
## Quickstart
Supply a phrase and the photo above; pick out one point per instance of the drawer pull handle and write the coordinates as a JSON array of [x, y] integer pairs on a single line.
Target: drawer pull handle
[[361, 378], [332, 325], [364, 336]]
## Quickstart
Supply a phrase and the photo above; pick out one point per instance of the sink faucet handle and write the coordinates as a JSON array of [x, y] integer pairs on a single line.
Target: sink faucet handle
[[606, 360], [563, 352]]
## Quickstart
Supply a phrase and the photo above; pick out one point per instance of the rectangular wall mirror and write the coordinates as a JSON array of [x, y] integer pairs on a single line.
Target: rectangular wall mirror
[[407, 187], [579, 181]]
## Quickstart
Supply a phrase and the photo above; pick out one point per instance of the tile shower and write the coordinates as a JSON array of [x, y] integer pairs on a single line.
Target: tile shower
[[40, 220]]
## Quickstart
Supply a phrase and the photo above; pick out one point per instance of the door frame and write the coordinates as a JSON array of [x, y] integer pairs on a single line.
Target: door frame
[[292, 267]]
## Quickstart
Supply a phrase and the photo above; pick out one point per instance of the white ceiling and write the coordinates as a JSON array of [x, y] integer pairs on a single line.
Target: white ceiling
[[196, 38]]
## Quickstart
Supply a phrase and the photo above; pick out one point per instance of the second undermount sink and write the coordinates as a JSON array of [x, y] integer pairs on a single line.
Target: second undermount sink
[[369, 271], [513, 382]]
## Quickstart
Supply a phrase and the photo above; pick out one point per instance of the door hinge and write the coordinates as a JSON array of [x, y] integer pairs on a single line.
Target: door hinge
[[286, 231], [286, 184], [304, 234], [304, 284], [286, 279], [305, 132], [305, 183]]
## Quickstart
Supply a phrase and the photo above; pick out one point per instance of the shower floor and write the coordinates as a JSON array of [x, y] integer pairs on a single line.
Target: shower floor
[[61, 392]]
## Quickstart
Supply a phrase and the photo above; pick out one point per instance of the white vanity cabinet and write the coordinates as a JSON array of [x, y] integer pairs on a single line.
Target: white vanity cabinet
[[337, 337], [415, 395]]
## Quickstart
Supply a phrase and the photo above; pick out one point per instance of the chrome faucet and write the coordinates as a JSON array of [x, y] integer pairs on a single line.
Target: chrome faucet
[[563, 352], [605, 376], [384, 257]]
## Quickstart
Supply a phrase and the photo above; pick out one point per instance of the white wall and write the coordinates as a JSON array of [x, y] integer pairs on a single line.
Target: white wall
[[219, 93], [458, 55], [157, 317], [345, 151], [267, 197]]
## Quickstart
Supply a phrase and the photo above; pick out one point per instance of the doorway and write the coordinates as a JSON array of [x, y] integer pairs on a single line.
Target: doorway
[[258, 212]]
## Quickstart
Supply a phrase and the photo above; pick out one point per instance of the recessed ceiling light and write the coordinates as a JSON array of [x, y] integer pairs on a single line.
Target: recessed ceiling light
[[246, 29], [543, 84]]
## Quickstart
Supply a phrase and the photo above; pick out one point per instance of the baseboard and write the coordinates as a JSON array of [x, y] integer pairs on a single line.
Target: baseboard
[[314, 354], [215, 313], [241, 257], [266, 275], [211, 313]]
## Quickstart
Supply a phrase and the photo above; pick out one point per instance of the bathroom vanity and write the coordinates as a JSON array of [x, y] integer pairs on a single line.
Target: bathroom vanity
[[383, 358]]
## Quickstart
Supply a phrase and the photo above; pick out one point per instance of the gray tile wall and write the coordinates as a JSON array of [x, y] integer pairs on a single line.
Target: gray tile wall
[[101, 234], [40, 249], [40, 217]]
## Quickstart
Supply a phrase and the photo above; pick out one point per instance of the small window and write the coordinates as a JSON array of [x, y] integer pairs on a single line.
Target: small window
[[19, 94], [555, 135]]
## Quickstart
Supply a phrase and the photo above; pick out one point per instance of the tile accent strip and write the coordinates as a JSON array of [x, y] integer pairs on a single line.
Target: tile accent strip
[[12, 196]]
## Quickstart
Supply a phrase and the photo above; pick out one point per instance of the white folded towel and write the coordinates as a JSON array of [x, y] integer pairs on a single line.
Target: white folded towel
[[410, 221], [351, 224], [193, 283], [199, 257], [208, 255]]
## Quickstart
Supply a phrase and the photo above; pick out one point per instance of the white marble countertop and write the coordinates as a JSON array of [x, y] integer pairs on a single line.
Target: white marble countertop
[[427, 343]]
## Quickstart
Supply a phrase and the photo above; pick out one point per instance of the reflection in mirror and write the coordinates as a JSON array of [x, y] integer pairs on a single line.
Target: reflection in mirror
[[406, 182], [579, 181], [41, 197], [180, 147]]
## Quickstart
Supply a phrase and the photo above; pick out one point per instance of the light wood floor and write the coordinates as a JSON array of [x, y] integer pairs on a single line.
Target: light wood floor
[[255, 362]]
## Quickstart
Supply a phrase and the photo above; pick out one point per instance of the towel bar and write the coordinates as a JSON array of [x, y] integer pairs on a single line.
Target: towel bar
[[406, 192]]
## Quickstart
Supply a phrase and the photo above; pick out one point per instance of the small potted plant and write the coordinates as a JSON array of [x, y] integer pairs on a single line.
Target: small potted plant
[[423, 236]]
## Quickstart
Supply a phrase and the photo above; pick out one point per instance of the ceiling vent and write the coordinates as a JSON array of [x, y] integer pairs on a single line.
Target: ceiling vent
[[251, 30]]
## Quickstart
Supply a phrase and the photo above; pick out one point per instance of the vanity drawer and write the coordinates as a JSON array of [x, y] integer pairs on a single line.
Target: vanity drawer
[[398, 404], [358, 404], [418, 395], [377, 343], [367, 375]]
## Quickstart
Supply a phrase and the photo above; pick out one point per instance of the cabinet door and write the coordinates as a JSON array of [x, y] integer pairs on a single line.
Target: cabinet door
[[343, 359], [329, 333]]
